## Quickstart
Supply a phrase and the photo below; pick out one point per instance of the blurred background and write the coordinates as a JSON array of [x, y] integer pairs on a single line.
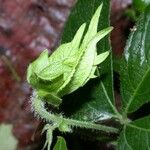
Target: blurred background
[[27, 27]]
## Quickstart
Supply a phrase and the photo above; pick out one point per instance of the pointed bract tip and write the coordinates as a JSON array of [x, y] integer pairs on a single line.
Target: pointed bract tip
[[99, 9]]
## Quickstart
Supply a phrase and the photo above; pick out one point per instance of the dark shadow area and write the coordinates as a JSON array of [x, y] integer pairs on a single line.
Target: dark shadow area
[[143, 111], [83, 139], [74, 101]]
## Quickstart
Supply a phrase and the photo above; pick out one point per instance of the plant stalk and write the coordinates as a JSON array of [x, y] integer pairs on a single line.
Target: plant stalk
[[39, 108]]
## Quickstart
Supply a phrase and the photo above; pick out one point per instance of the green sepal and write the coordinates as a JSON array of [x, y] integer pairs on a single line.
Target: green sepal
[[60, 144], [50, 98], [100, 58], [86, 67], [36, 66]]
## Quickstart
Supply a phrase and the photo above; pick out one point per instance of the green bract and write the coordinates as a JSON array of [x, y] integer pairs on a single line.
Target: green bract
[[71, 65]]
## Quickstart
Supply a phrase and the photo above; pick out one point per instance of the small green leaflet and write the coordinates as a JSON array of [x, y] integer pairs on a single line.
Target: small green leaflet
[[61, 144], [71, 65]]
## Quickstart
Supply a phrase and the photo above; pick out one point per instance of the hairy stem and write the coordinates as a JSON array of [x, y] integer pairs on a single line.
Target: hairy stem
[[39, 107], [89, 125]]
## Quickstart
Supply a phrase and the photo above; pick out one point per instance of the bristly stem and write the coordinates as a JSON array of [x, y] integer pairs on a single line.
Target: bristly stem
[[39, 108], [89, 125]]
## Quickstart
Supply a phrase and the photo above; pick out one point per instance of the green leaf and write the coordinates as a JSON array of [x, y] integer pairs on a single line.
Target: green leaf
[[7, 139], [94, 101], [135, 135], [140, 5], [61, 144], [135, 81], [135, 69]]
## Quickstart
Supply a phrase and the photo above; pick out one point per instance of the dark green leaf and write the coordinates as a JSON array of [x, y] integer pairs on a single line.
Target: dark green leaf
[[136, 135], [135, 69], [140, 5], [61, 144], [93, 101]]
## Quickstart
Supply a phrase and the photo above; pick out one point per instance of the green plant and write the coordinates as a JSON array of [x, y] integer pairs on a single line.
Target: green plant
[[137, 8], [73, 64]]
